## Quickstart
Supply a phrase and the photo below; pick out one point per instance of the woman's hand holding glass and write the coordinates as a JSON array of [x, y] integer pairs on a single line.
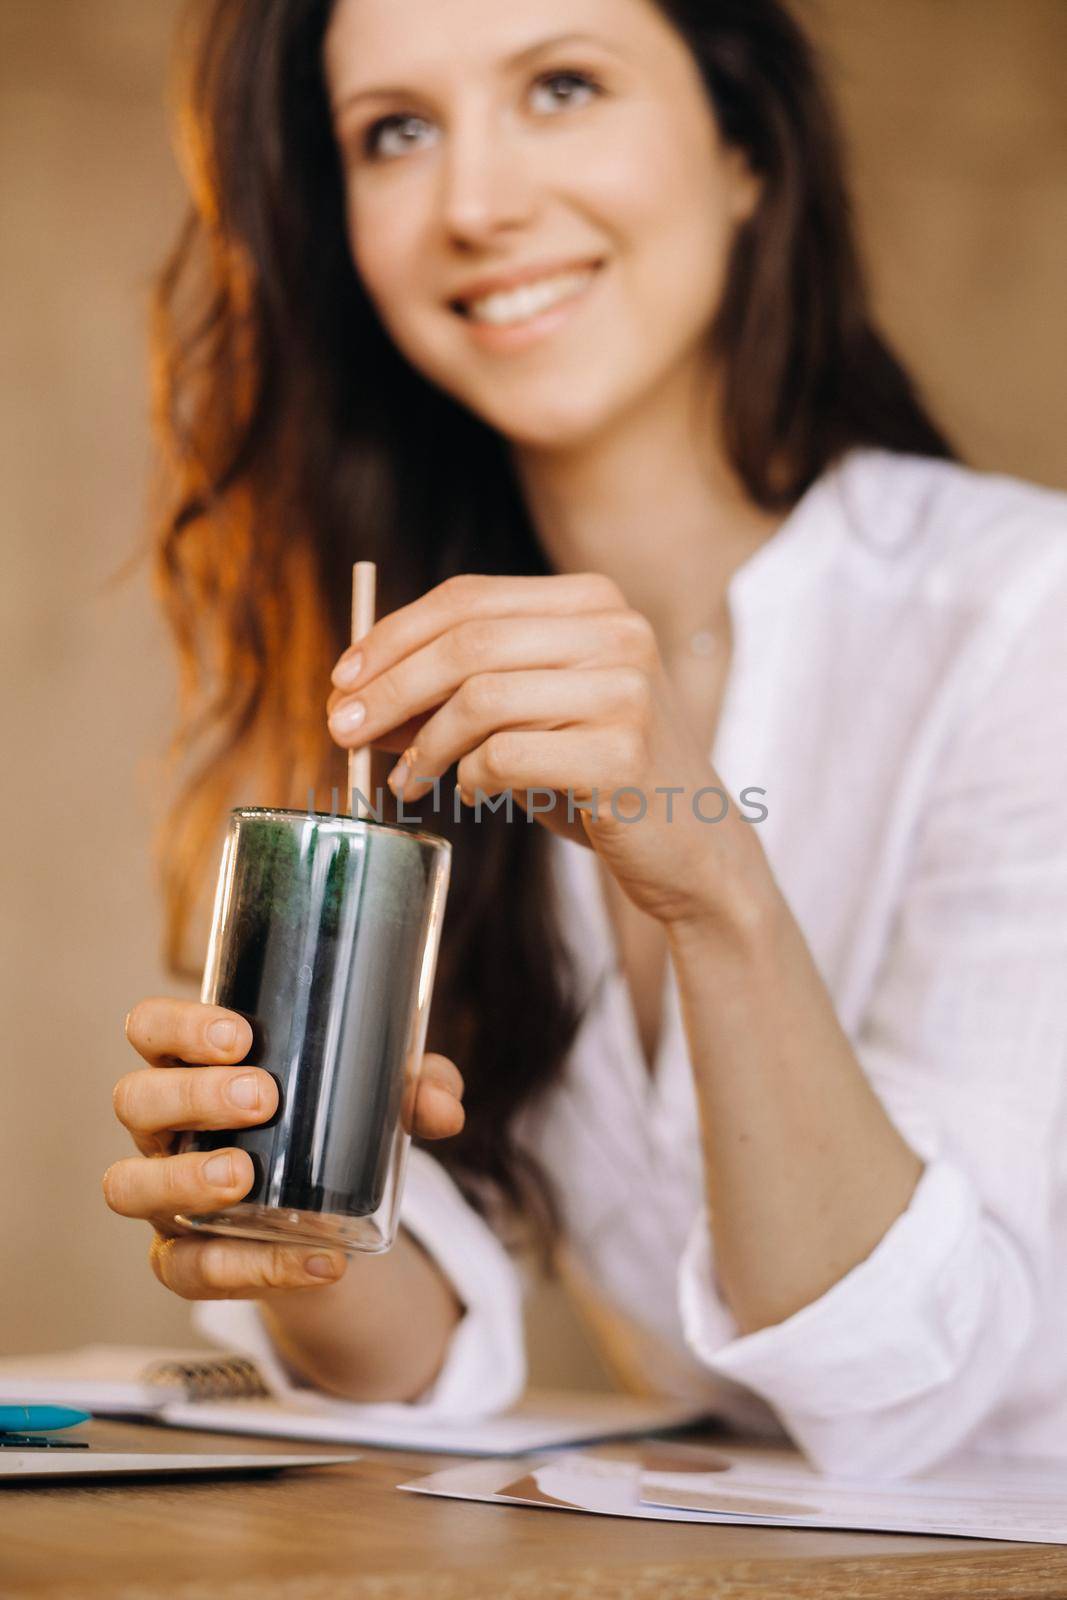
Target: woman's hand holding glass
[[194, 1080]]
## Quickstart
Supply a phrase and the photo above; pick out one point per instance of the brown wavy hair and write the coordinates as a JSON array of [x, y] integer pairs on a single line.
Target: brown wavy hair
[[295, 439]]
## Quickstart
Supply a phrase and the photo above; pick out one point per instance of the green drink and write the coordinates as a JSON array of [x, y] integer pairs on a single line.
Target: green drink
[[325, 937]]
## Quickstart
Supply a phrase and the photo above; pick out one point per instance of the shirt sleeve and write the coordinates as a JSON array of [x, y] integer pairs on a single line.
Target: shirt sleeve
[[484, 1370], [964, 1039]]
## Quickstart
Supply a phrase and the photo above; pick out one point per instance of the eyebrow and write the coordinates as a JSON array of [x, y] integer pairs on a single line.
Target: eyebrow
[[509, 62]]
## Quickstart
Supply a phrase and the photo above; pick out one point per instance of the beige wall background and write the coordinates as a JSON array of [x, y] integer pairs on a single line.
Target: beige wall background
[[958, 129]]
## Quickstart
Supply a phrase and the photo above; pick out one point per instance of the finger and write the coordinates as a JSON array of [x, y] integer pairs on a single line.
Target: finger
[[239, 1269], [147, 1187], [397, 739], [470, 595], [444, 1074], [533, 700], [429, 1111], [394, 739], [431, 1107], [424, 680], [149, 1102], [568, 760], [165, 1031], [438, 1114]]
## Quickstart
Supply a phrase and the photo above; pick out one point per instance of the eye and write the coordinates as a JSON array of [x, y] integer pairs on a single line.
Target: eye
[[400, 125], [583, 81]]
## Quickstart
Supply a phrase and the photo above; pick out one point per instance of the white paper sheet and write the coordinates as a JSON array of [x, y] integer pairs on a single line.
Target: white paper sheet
[[972, 1497], [975, 1497], [578, 1481]]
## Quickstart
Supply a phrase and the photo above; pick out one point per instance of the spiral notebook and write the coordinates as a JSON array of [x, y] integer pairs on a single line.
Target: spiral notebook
[[222, 1392]]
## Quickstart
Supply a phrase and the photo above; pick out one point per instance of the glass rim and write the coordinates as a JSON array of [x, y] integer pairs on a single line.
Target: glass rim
[[421, 835]]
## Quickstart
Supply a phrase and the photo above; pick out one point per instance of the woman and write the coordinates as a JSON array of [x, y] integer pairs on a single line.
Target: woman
[[553, 310]]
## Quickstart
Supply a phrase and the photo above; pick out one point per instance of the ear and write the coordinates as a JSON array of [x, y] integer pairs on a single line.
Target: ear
[[746, 186]]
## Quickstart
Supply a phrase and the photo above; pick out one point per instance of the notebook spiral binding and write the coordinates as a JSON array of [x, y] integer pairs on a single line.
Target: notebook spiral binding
[[214, 1378]]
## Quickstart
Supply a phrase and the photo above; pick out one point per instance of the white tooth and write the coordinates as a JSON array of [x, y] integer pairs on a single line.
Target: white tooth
[[518, 305]]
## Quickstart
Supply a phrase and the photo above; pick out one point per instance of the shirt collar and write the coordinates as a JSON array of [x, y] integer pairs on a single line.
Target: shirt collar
[[802, 544], [772, 578]]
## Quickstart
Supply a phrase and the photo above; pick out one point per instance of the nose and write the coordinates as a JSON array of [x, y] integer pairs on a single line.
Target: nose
[[486, 187]]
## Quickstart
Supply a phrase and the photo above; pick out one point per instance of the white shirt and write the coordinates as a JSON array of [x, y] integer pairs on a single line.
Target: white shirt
[[898, 687]]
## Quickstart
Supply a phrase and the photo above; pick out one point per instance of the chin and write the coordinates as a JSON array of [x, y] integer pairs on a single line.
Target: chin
[[542, 434], [563, 420], [561, 403]]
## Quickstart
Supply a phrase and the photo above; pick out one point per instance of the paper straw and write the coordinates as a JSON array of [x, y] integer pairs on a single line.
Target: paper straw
[[364, 574]]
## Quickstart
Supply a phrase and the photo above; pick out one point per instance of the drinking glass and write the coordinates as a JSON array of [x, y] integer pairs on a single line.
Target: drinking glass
[[324, 938]]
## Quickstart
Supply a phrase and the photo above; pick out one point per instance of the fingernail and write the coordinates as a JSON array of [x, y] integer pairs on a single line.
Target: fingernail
[[348, 670], [219, 1171], [347, 718], [398, 777], [322, 1267], [222, 1034], [244, 1092]]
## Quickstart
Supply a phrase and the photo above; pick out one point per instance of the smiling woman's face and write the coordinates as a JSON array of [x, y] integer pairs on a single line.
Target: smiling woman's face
[[483, 139]]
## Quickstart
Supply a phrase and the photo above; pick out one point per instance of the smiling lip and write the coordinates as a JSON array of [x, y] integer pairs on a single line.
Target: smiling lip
[[516, 279], [509, 338]]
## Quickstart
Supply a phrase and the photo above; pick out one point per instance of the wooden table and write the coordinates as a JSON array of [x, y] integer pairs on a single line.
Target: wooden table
[[344, 1533]]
